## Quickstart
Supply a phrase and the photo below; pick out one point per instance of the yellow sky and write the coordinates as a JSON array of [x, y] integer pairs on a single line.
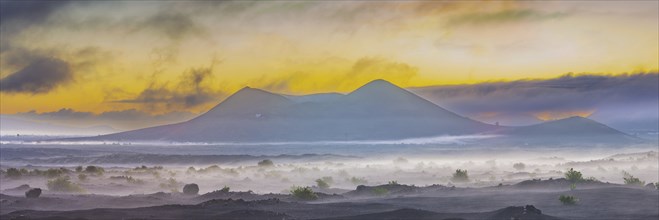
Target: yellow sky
[[145, 55]]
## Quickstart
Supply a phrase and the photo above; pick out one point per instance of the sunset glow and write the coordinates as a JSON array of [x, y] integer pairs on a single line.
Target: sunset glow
[[140, 55]]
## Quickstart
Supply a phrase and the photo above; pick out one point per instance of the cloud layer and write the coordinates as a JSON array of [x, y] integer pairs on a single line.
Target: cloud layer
[[120, 120], [99, 56], [610, 99], [40, 76]]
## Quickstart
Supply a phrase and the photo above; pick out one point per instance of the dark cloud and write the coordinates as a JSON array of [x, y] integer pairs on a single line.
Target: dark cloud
[[614, 96], [369, 68], [175, 26], [194, 88], [40, 76], [41, 71], [28, 11], [62, 114], [15, 16], [357, 73], [504, 16]]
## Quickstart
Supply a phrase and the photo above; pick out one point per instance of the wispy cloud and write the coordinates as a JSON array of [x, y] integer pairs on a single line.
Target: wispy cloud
[[119, 119], [42, 71], [359, 72], [504, 16], [195, 87]]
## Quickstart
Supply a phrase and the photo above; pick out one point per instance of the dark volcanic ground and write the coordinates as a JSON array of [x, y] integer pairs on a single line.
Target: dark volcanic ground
[[596, 201]]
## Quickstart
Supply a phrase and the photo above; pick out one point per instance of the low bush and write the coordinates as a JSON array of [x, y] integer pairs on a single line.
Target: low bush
[[303, 193], [573, 176], [322, 184], [519, 166], [128, 179], [380, 191], [143, 167], [63, 184], [265, 163], [209, 169], [94, 170], [54, 172], [13, 173], [358, 180], [460, 176], [568, 200], [171, 184], [631, 180]]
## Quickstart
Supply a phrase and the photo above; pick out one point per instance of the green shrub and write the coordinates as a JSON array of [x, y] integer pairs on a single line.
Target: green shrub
[[358, 180], [460, 176], [266, 163], [209, 169], [13, 173], [303, 193], [94, 170], [225, 189], [128, 179], [573, 176], [322, 184], [63, 184], [631, 180], [393, 182], [171, 184], [82, 177], [568, 200], [380, 191], [53, 172]]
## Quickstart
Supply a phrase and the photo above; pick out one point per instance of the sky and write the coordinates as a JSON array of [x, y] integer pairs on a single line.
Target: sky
[[163, 58]]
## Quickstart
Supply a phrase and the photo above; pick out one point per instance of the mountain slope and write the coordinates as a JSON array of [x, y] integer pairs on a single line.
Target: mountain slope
[[378, 110], [569, 130]]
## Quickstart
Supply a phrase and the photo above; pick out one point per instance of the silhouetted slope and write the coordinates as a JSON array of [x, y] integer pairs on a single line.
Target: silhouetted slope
[[275, 209], [378, 110], [528, 212], [569, 130]]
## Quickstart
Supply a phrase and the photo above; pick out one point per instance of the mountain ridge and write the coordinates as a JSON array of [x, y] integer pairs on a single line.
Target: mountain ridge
[[378, 110]]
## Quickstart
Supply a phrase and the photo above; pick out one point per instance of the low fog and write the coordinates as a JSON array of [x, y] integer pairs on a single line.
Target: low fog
[[471, 175], [150, 173]]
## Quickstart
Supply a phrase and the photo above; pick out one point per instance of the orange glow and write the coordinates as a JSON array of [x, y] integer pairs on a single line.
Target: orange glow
[[555, 115]]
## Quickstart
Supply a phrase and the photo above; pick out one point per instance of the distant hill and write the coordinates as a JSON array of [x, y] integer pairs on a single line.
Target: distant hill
[[378, 110], [18, 126], [568, 130]]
